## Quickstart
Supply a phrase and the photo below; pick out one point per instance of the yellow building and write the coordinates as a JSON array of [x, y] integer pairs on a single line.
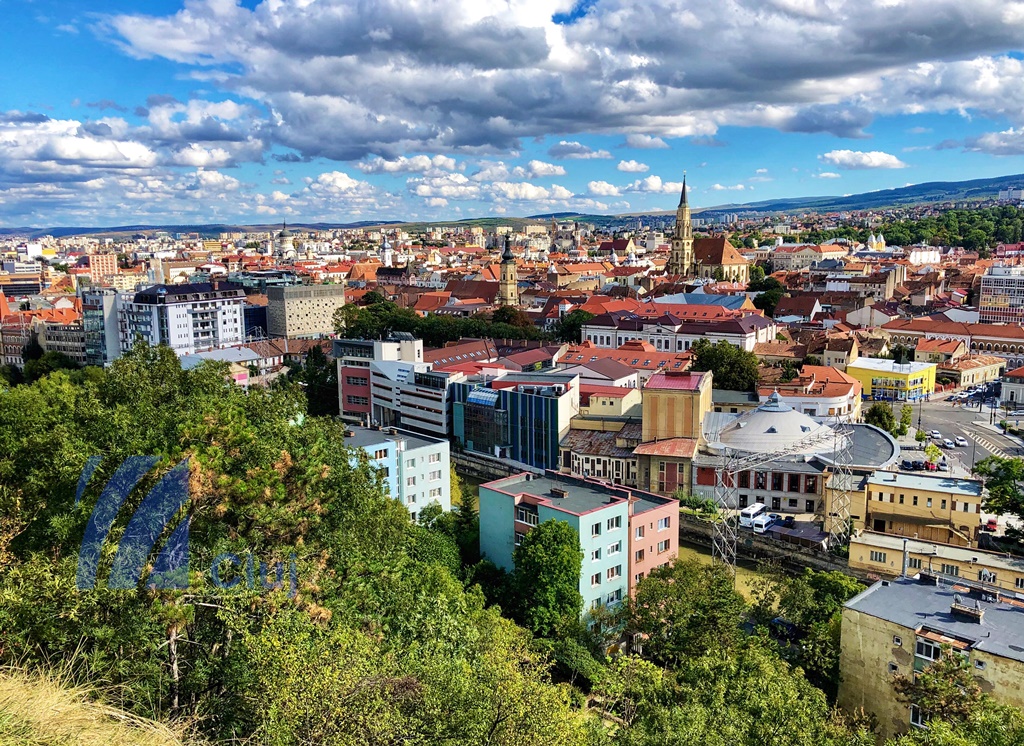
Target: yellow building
[[600, 402], [884, 555], [884, 380], [674, 404], [899, 627], [932, 508]]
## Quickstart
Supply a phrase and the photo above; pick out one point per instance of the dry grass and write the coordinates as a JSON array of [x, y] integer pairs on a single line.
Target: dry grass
[[42, 711]]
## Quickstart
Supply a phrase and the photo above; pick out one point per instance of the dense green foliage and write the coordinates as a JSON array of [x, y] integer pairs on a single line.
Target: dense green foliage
[[732, 368], [378, 318], [569, 328], [880, 415], [396, 634], [1004, 480], [974, 230]]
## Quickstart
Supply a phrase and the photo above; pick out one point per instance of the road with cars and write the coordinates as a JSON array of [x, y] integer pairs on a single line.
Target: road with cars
[[968, 422]]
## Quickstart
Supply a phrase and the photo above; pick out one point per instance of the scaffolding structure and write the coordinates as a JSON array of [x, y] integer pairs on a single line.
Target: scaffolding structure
[[839, 485], [837, 440]]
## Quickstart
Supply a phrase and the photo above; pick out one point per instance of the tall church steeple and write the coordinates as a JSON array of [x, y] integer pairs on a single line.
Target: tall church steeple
[[508, 285], [680, 260]]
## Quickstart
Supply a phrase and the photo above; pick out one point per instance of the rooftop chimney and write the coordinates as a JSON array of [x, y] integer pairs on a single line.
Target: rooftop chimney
[[559, 492], [967, 613]]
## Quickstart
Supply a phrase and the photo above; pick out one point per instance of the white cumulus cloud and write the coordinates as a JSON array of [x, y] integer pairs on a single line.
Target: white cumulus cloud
[[857, 159]]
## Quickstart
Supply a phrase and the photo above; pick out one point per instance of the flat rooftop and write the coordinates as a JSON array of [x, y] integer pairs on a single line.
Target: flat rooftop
[[914, 604], [364, 437], [888, 366], [583, 495], [952, 485]]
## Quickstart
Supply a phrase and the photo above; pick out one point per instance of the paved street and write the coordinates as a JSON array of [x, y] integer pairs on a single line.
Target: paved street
[[952, 421]]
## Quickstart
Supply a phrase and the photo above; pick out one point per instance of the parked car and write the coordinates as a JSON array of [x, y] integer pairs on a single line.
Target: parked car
[[906, 464], [935, 435], [930, 466], [991, 524], [947, 443], [788, 522], [960, 441], [943, 466], [917, 466]]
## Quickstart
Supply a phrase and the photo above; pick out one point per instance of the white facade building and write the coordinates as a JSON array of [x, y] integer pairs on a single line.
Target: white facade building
[[186, 318]]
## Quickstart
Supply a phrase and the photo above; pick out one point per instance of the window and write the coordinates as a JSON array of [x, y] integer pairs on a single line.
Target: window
[[943, 505], [664, 523], [613, 523], [794, 483], [877, 556], [928, 650], [595, 579], [379, 454], [615, 548], [411, 499], [744, 479], [777, 482], [410, 463], [410, 481], [362, 400], [893, 668], [663, 546], [435, 475], [639, 532], [638, 556], [986, 576], [595, 555], [916, 718], [897, 641], [614, 598], [595, 530], [1018, 583], [915, 499], [527, 516], [434, 458], [914, 563], [436, 492], [638, 577], [980, 665], [810, 484], [614, 572], [950, 570], [357, 381], [929, 503], [519, 538]]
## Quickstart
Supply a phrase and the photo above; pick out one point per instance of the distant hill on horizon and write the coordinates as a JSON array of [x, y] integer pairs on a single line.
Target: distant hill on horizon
[[915, 194]]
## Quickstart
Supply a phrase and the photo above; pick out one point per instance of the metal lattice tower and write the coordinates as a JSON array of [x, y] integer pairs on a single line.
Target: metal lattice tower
[[730, 464], [842, 479]]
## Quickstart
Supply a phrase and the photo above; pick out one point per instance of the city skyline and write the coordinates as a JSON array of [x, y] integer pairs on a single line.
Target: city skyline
[[219, 111]]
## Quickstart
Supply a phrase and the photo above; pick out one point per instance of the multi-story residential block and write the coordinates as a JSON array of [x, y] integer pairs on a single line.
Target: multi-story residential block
[[923, 506], [186, 318], [520, 417], [887, 380], [1002, 295], [900, 627], [99, 323], [65, 337], [890, 556], [102, 266], [303, 311], [416, 469], [624, 534]]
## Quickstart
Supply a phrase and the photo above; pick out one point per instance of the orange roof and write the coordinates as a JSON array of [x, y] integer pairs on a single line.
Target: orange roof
[[678, 447], [939, 345]]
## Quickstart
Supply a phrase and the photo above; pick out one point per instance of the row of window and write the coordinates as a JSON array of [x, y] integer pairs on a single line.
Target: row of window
[[780, 482], [612, 573], [615, 548], [965, 507]]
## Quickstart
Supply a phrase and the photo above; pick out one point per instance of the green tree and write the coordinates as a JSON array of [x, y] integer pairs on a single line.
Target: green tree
[[946, 690], [767, 301], [756, 272], [569, 328], [906, 419], [932, 453], [880, 415], [685, 609], [511, 316], [546, 578], [1004, 482], [764, 285], [732, 368], [318, 376]]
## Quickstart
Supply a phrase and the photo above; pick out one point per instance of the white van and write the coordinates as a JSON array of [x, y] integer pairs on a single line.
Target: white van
[[762, 523], [749, 513]]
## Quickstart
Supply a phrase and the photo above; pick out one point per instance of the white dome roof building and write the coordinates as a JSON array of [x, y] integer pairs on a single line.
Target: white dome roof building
[[774, 426]]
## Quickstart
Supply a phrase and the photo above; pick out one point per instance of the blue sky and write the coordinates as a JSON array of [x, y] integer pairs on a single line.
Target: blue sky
[[329, 110]]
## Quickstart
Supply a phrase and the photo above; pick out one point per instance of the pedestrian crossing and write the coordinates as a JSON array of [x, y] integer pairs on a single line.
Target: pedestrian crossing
[[988, 445]]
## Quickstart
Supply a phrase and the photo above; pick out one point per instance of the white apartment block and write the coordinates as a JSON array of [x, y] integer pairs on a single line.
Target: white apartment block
[[1002, 295], [187, 318]]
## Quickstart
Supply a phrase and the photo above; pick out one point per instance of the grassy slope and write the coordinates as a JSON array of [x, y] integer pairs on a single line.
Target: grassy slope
[[39, 711]]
